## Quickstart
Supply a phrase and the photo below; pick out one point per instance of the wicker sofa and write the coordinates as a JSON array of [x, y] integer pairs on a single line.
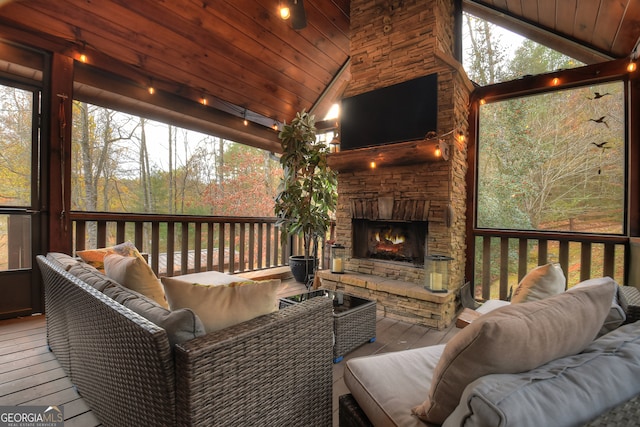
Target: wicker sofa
[[521, 365], [273, 370]]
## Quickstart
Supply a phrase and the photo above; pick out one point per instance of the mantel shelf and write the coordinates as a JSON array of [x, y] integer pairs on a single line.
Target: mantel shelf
[[398, 154]]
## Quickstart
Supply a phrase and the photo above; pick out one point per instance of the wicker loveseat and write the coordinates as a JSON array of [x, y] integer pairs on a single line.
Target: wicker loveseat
[[273, 370]]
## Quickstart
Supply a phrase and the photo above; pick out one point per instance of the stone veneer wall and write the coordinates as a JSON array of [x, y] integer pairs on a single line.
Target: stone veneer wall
[[392, 42]]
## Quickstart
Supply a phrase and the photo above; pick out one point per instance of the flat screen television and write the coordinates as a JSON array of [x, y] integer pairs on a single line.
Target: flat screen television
[[399, 113]]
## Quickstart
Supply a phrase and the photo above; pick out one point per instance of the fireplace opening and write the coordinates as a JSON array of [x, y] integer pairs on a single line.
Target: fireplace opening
[[401, 241]]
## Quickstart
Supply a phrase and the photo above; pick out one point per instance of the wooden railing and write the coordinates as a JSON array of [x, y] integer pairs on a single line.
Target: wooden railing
[[181, 244], [502, 258]]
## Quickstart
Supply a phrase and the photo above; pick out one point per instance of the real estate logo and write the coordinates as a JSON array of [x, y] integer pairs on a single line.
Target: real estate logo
[[32, 416]]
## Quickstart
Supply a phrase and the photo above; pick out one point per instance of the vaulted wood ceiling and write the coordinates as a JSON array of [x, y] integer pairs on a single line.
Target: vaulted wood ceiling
[[242, 54]]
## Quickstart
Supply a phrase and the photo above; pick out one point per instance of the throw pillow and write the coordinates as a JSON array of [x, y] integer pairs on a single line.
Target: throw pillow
[[222, 306], [541, 282], [134, 273], [616, 315], [95, 257], [515, 339], [180, 325]]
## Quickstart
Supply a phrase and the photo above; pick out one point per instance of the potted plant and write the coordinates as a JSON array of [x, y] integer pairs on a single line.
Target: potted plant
[[307, 191]]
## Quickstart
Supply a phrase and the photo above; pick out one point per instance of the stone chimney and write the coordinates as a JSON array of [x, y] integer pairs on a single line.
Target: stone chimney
[[393, 41]]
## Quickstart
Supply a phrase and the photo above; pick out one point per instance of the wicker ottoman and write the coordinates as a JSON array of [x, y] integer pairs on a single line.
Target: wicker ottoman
[[354, 319]]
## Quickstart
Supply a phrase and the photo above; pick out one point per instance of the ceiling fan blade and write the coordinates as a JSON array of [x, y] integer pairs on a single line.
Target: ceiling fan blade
[[298, 15]]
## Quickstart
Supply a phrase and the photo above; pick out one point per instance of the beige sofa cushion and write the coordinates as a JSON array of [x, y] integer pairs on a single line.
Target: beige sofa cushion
[[64, 260], [91, 276], [540, 283], [222, 306], [386, 386], [515, 339], [135, 274]]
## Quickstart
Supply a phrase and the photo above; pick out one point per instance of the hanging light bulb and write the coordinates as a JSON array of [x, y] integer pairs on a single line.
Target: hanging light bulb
[[244, 116], [284, 10], [274, 126], [438, 151], [555, 81], [151, 90], [83, 56], [203, 100], [631, 66]]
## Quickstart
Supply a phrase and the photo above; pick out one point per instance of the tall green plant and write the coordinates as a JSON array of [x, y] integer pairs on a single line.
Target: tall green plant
[[307, 190]]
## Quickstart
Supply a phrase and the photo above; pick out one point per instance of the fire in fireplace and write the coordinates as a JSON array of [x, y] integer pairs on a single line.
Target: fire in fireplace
[[402, 241]]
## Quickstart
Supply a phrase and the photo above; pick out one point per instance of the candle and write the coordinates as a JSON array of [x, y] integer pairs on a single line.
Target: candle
[[337, 265], [436, 281]]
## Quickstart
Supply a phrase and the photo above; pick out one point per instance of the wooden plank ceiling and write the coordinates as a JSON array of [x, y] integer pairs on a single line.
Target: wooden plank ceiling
[[242, 53], [588, 30], [238, 51]]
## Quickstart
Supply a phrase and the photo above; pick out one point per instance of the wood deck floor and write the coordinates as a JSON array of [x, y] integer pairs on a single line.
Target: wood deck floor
[[31, 375]]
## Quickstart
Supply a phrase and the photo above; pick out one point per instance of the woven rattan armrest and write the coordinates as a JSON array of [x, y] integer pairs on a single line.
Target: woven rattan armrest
[[272, 370]]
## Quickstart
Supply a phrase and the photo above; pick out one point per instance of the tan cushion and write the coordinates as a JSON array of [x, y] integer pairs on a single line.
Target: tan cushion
[[64, 260], [95, 257], [134, 273], [386, 386], [209, 278], [515, 339], [222, 306], [541, 282], [616, 315], [180, 325], [91, 276]]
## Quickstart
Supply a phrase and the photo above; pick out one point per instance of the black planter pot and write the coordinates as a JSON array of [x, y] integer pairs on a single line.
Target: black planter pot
[[302, 267]]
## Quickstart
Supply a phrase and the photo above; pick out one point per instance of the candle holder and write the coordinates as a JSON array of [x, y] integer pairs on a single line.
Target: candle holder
[[338, 258], [437, 272]]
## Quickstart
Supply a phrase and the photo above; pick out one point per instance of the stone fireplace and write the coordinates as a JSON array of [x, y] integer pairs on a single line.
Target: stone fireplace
[[404, 188]]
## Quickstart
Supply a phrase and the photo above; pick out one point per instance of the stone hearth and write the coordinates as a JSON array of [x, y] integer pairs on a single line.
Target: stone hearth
[[416, 39]]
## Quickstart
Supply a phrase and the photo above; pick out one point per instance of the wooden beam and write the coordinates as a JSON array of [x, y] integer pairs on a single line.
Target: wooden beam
[[404, 153], [60, 111]]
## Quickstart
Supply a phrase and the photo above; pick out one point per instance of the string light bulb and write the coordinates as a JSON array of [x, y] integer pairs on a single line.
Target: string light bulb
[[284, 10], [555, 81], [631, 66], [83, 56]]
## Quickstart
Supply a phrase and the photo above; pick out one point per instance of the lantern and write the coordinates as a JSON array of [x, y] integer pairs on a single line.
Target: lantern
[[338, 258], [437, 272]]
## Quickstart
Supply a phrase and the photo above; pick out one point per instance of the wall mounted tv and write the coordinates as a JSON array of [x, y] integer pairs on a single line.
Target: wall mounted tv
[[399, 113]]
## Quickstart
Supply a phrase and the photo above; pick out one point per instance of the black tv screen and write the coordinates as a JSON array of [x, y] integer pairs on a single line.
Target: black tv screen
[[399, 113]]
